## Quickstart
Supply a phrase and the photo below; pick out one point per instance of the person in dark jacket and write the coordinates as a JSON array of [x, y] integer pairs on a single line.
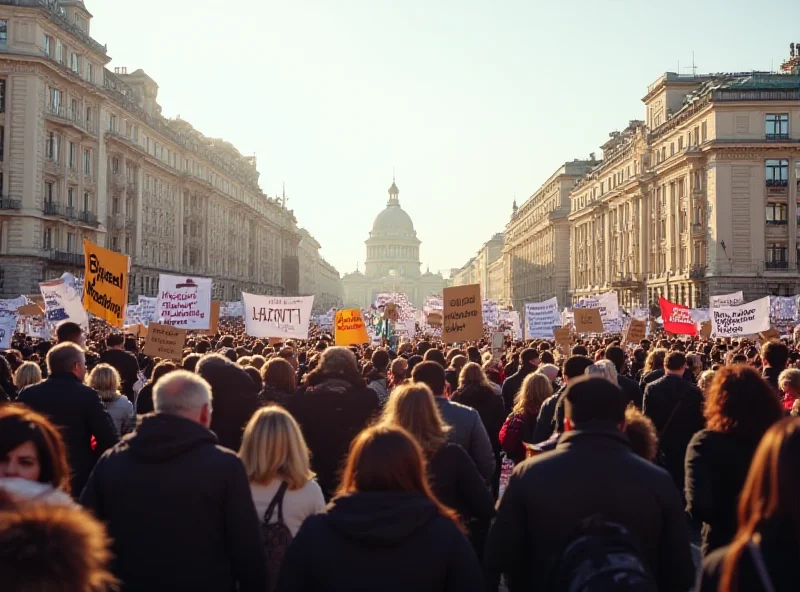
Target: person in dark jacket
[[385, 529], [332, 408], [551, 415], [475, 391], [763, 553], [124, 362], [675, 406], [235, 398], [519, 426], [592, 471], [629, 387], [178, 506], [528, 363], [7, 386], [144, 401], [739, 408], [279, 382], [75, 408], [774, 357]]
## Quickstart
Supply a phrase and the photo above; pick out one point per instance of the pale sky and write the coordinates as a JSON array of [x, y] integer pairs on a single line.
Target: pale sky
[[472, 102]]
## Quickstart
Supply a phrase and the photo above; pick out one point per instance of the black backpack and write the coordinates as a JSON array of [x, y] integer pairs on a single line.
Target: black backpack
[[276, 536], [602, 556]]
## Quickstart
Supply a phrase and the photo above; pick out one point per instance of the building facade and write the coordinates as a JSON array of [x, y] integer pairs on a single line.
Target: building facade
[[86, 154], [536, 248], [392, 263], [317, 276], [485, 268]]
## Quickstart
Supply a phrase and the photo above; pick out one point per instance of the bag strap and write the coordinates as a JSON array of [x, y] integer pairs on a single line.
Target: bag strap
[[761, 568], [276, 501], [669, 420]]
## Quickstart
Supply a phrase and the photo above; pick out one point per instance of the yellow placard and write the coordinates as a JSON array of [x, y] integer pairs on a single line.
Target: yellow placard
[[349, 327], [105, 292]]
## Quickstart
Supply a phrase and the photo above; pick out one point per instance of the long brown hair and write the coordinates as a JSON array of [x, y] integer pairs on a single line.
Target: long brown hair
[[388, 458], [413, 408], [772, 490], [279, 374]]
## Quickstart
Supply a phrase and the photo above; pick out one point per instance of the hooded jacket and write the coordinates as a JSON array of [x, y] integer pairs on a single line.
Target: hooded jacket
[[390, 541], [179, 510], [235, 400]]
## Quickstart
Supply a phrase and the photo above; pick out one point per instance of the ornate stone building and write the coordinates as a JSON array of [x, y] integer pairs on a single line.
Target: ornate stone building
[[485, 268], [317, 276], [86, 153], [392, 263]]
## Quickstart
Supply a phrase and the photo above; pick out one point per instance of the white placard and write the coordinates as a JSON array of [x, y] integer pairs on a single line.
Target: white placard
[[232, 309], [147, 310], [732, 299], [541, 318], [277, 316], [13, 304], [184, 302], [63, 302], [746, 319], [8, 324]]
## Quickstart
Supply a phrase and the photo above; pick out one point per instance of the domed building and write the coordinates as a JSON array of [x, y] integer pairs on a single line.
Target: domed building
[[392, 263]]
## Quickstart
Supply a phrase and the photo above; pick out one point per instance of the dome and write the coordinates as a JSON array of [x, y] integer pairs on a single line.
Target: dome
[[393, 221]]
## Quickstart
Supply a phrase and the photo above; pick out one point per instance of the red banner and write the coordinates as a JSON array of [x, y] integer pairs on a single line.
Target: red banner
[[677, 318]]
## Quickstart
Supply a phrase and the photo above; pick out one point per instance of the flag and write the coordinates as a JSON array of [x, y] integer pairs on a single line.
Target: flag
[[677, 318]]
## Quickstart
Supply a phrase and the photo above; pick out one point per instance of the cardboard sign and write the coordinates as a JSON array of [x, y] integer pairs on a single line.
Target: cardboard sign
[[588, 320], [391, 313], [636, 331], [435, 319], [705, 329], [30, 310], [215, 306], [463, 314], [105, 283], [563, 336], [770, 335], [350, 328], [164, 341]]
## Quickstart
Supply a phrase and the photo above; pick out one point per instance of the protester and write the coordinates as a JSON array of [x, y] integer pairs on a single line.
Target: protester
[[453, 371], [106, 381], [616, 355], [528, 364], [550, 495], [398, 373], [386, 528], [124, 362], [7, 385], [144, 402], [475, 391], [378, 379], [519, 427], [467, 427], [170, 471], [789, 387], [740, 407], [774, 357], [551, 414], [74, 408], [761, 554], [27, 375], [332, 407], [279, 382], [641, 433]]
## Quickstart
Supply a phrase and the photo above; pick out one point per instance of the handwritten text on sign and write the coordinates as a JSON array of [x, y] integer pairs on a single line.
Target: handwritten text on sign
[[277, 316], [349, 328], [164, 341], [106, 284], [184, 301], [463, 319]]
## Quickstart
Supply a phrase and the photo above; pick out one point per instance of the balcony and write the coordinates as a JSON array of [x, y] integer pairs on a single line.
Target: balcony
[[697, 271], [776, 265], [7, 203], [66, 117], [87, 218], [777, 137], [698, 229], [72, 259]]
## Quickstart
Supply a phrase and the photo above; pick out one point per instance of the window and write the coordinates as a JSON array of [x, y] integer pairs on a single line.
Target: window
[[74, 63], [680, 143], [777, 172], [70, 197], [112, 123], [114, 244], [90, 72], [115, 206], [696, 136], [115, 165], [49, 192], [70, 241], [2, 96], [56, 97], [127, 245], [89, 115], [87, 201], [704, 131], [777, 126], [47, 239], [672, 148], [53, 147], [2, 145], [3, 32], [87, 162], [777, 213], [776, 256], [48, 46], [72, 155]]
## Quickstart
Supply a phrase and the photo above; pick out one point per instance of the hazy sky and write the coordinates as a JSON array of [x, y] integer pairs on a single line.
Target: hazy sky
[[472, 102]]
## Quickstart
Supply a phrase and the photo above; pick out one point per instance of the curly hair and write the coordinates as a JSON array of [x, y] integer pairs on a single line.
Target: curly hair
[[740, 402]]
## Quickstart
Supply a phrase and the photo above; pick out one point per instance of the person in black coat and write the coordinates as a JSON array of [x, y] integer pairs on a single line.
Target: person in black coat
[[332, 407], [124, 362], [177, 506], [385, 530], [144, 401], [7, 386], [474, 391], [591, 471], [675, 406], [74, 408], [235, 398], [629, 387], [527, 365], [739, 408], [551, 415]]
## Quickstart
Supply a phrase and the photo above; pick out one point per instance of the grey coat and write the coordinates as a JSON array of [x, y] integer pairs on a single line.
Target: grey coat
[[121, 411], [468, 432]]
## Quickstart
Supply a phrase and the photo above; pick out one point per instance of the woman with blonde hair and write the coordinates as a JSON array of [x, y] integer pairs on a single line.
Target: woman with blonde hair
[[26, 375], [276, 459], [106, 381], [518, 427]]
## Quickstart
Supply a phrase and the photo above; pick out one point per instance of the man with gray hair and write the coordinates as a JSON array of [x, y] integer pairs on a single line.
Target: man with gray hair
[[75, 408], [178, 506]]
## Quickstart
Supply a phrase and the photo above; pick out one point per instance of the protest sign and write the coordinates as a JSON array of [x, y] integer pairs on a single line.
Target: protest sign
[[587, 320], [349, 327], [232, 309], [677, 318], [463, 319], [391, 312], [147, 309], [783, 312], [215, 308], [164, 341], [8, 324], [435, 319], [636, 331], [63, 303], [563, 336], [705, 329], [541, 318], [732, 299], [745, 319], [13, 304], [30, 310], [287, 317], [106, 283], [184, 301], [608, 305], [769, 335]]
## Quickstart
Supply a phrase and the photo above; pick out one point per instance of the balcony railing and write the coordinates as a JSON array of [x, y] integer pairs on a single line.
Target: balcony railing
[[87, 218], [73, 259], [65, 114], [773, 265], [7, 203], [777, 137], [697, 271], [777, 183]]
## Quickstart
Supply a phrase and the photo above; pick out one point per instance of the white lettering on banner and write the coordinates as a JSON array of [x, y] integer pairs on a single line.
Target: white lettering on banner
[[541, 318], [277, 316], [732, 299], [63, 302], [8, 325], [745, 319], [147, 310], [184, 302]]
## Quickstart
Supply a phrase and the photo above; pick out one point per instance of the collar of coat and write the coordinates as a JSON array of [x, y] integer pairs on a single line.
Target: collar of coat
[[600, 433]]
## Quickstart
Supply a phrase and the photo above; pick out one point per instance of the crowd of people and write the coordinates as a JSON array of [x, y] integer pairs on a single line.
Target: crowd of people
[[252, 465]]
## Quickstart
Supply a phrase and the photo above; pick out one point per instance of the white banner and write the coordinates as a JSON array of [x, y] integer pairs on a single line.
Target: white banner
[[63, 302], [700, 315], [184, 302], [732, 299], [231, 309], [13, 304], [608, 303], [783, 312], [541, 318], [8, 324], [509, 321], [277, 316], [745, 319], [147, 310]]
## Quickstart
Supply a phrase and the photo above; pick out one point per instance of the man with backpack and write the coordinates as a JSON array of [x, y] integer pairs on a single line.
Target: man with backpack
[[591, 514]]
